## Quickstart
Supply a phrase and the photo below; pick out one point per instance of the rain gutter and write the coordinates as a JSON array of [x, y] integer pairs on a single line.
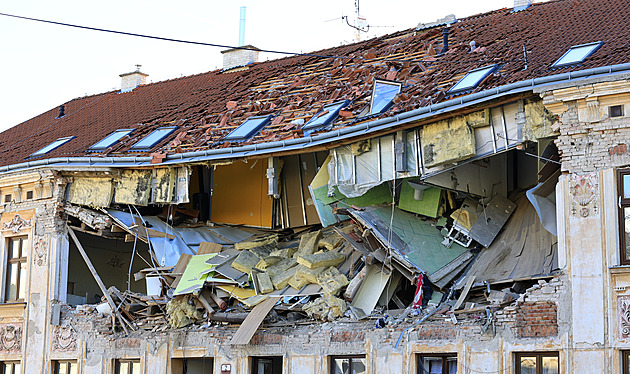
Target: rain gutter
[[335, 135]]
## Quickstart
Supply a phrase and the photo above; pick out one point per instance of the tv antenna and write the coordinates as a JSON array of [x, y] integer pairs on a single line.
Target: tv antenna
[[359, 24]]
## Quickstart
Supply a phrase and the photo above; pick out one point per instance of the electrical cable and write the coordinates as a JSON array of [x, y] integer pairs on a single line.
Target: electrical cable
[[230, 46]]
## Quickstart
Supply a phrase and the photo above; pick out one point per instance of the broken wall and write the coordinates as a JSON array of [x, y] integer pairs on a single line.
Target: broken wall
[[531, 323]]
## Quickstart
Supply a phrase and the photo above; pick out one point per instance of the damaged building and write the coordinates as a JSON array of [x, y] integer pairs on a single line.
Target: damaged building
[[446, 199]]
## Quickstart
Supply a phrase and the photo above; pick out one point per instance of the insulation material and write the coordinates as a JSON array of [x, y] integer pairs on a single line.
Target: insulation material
[[240, 194], [163, 185], [447, 141], [181, 186], [93, 192], [538, 121], [133, 187]]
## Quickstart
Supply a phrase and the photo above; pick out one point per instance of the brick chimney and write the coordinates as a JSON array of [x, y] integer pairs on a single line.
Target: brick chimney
[[239, 57], [133, 79]]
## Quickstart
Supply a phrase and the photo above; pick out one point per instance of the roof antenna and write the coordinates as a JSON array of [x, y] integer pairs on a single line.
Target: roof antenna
[[241, 28]]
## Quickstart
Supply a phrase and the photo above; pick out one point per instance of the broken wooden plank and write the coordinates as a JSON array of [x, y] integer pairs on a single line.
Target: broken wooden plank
[[179, 268], [100, 283], [462, 297], [206, 248], [249, 326]]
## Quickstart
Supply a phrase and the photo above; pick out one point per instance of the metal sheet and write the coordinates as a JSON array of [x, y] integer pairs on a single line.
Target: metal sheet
[[490, 222]]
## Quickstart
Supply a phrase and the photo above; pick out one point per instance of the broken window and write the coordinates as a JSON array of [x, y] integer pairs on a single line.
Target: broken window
[[11, 367], [16, 268], [56, 144], [537, 363], [65, 367], [153, 138], [127, 367], [202, 365], [624, 215], [383, 95], [472, 79], [348, 365], [248, 129], [437, 364], [577, 54], [325, 116], [267, 365], [110, 140]]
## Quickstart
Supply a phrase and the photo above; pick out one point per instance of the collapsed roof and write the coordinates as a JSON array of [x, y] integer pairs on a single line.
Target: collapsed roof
[[518, 48]]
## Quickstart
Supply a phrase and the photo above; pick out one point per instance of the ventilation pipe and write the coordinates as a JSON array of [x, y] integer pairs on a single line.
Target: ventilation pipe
[[444, 40], [241, 28]]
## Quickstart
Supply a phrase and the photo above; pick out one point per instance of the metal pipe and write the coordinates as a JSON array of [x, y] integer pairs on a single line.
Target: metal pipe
[[241, 28]]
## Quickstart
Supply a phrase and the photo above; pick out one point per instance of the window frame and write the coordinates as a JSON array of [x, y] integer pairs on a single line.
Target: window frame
[[469, 87], [256, 359], [96, 148], [264, 121], [390, 103], [138, 147], [625, 362], [3, 366], [22, 273], [131, 361], [69, 364], [539, 356], [52, 146], [349, 357], [443, 356], [596, 46], [331, 116], [623, 202]]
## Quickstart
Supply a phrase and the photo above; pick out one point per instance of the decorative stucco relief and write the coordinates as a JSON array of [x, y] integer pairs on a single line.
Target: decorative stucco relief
[[10, 338], [64, 339], [623, 303], [40, 249], [584, 190], [17, 224]]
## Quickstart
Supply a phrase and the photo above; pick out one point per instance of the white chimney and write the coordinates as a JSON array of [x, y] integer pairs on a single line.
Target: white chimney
[[132, 80], [521, 5], [239, 57]]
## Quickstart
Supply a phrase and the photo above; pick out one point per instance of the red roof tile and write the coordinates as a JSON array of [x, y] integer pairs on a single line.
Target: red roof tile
[[208, 106]]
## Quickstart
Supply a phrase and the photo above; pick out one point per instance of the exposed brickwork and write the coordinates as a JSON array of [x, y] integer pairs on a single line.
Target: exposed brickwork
[[536, 319], [347, 336], [263, 337]]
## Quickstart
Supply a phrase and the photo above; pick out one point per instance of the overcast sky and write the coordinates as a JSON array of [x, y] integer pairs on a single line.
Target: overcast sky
[[44, 65]]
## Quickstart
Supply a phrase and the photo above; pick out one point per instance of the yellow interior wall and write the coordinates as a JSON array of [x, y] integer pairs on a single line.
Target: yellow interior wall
[[240, 194]]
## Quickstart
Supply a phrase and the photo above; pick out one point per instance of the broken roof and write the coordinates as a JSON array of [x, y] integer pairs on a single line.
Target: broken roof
[[206, 107]]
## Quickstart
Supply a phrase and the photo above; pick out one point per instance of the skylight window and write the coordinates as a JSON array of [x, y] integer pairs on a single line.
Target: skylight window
[[153, 138], [325, 116], [248, 129], [110, 139], [472, 79], [577, 54], [382, 95], [56, 144]]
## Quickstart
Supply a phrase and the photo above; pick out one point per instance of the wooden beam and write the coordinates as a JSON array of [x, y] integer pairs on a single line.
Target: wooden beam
[[98, 279]]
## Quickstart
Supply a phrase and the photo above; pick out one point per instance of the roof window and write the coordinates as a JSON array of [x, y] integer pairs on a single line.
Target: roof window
[[153, 138], [472, 79], [110, 140], [248, 129], [577, 54], [56, 144], [382, 95], [325, 116]]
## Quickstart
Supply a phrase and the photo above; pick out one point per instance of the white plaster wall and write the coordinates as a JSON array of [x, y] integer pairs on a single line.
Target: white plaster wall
[[302, 364]]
